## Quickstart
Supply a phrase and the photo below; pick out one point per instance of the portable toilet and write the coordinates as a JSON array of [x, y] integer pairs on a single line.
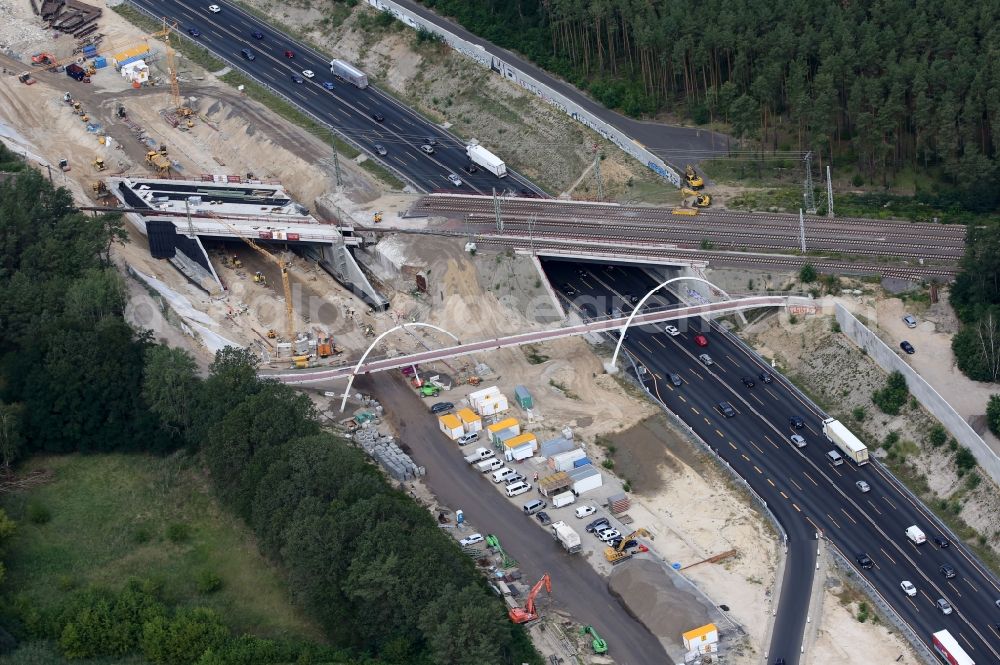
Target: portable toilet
[[523, 397]]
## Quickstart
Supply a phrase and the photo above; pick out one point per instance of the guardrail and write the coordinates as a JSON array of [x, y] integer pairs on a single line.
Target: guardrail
[[236, 65]]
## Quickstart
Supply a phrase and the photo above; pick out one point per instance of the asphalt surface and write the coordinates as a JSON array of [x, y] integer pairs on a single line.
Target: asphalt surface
[[576, 586], [675, 145], [346, 107], [803, 490]]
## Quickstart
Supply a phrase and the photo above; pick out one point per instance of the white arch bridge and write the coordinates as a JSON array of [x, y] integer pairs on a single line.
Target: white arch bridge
[[303, 377]]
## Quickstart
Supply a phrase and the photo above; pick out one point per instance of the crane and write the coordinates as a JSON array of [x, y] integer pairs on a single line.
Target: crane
[[626, 547], [528, 613]]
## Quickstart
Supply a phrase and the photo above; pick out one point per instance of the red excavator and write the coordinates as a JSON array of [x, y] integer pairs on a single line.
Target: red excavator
[[527, 613]]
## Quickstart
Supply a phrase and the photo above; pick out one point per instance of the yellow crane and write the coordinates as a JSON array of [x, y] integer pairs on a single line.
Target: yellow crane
[[175, 91]]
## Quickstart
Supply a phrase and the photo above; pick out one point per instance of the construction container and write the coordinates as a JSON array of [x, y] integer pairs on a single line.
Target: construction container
[[586, 478], [470, 421], [488, 402], [520, 447], [556, 446], [697, 638], [583, 461], [523, 397], [505, 424], [554, 484], [89, 51], [130, 55], [100, 62], [564, 461], [451, 426]]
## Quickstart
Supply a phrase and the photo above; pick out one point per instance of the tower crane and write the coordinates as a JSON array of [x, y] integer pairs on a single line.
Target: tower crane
[[528, 613], [175, 91]]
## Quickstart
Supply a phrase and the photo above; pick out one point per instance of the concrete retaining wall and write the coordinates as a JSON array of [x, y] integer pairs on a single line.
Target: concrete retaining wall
[[515, 75], [930, 399]]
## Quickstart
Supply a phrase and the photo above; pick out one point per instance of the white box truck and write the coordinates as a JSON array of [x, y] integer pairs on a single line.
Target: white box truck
[[563, 499], [349, 73], [916, 535], [567, 537], [849, 444], [483, 157]]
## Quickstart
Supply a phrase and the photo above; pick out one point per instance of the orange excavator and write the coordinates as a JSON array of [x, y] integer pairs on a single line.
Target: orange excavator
[[528, 613]]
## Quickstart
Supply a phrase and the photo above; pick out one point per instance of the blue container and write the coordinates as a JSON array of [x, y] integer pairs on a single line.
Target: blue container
[[583, 461], [89, 51], [100, 61]]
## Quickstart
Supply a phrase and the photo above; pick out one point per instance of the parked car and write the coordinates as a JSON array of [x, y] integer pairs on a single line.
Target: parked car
[[864, 560], [941, 542], [676, 379], [584, 511], [796, 422], [910, 321], [672, 331], [472, 539], [599, 523], [908, 588], [706, 360], [863, 486], [441, 407], [906, 346], [609, 534], [700, 340], [947, 571], [544, 518], [466, 439], [748, 382]]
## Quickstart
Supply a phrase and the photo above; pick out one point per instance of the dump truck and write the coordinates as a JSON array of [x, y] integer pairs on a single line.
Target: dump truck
[[349, 73], [26, 78], [76, 72], [157, 160], [849, 444], [567, 537], [483, 157]]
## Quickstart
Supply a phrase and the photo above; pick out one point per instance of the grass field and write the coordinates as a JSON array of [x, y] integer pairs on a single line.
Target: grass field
[[111, 517]]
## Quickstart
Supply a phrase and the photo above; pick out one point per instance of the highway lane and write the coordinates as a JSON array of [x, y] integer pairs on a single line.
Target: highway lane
[[347, 108], [575, 584], [824, 497]]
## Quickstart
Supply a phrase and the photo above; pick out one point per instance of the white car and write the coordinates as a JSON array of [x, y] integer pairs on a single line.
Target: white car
[[908, 588], [455, 180], [585, 511], [863, 486], [608, 535], [472, 540], [672, 331], [215, 9], [308, 73]]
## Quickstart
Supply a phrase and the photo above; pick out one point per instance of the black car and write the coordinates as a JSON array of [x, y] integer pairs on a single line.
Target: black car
[[864, 560], [947, 571], [632, 298], [257, 35], [726, 409], [906, 346], [766, 377], [748, 382], [796, 422], [194, 32], [568, 289], [599, 523], [470, 168], [441, 407], [942, 542], [377, 117], [675, 379], [297, 79], [543, 517], [430, 140]]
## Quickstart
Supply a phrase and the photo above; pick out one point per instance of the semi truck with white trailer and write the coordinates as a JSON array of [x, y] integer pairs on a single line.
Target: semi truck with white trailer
[[349, 73], [949, 649], [567, 537], [848, 444], [486, 159]]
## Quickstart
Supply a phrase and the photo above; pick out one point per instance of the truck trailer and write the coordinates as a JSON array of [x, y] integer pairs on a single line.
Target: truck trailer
[[483, 157], [849, 444], [949, 649], [349, 73], [567, 537]]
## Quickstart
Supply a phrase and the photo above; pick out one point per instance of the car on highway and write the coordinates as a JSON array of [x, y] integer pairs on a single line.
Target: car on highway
[[543, 517], [910, 321], [297, 79], [798, 440], [947, 571], [471, 540], [765, 377], [248, 54], [944, 606], [455, 180], [908, 588], [941, 542], [862, 485], [632, 298], [470, 168], [441, 407], [584, 511], [726, 409], [380, 150], [906, 346], [328, 85], [215, 9], [466, 439], [675, 379], [864, 560], [700, 340], [568, 289], [706, 360], [257, 34], [748, 382], [796, 422], [427, 148], [377, 117], [608, 534], [194, 32], [308, 73], [599, 523], [430, 140], [290, 54], [672, 331]]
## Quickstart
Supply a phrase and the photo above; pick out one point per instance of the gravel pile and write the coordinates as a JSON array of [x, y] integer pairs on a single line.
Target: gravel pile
[[18, 32]]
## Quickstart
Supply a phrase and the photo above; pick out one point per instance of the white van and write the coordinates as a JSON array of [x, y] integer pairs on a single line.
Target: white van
[[835, 458], [503, 474], [489, 465], [915, 535], [520, 487], [563, 499]]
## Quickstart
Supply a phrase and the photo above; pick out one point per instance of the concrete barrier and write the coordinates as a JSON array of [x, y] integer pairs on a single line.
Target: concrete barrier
[[930, 399]]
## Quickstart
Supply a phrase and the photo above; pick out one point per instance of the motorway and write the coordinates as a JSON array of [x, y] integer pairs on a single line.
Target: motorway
[[576, 586], [346, 108], [806, 494]]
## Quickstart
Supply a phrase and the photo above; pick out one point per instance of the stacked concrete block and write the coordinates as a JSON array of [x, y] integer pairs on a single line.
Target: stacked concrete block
[[383, 449]]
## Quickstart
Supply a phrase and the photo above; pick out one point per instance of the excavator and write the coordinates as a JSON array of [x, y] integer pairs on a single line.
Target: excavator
[[700, 200], [597, 644], [692, 178], [626, 547], [528, 613]]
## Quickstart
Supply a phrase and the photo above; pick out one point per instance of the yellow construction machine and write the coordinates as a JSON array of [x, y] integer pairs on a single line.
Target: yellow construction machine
[[692, 178], [161, 163], [701, 200], [626, 547], [99, 164]]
